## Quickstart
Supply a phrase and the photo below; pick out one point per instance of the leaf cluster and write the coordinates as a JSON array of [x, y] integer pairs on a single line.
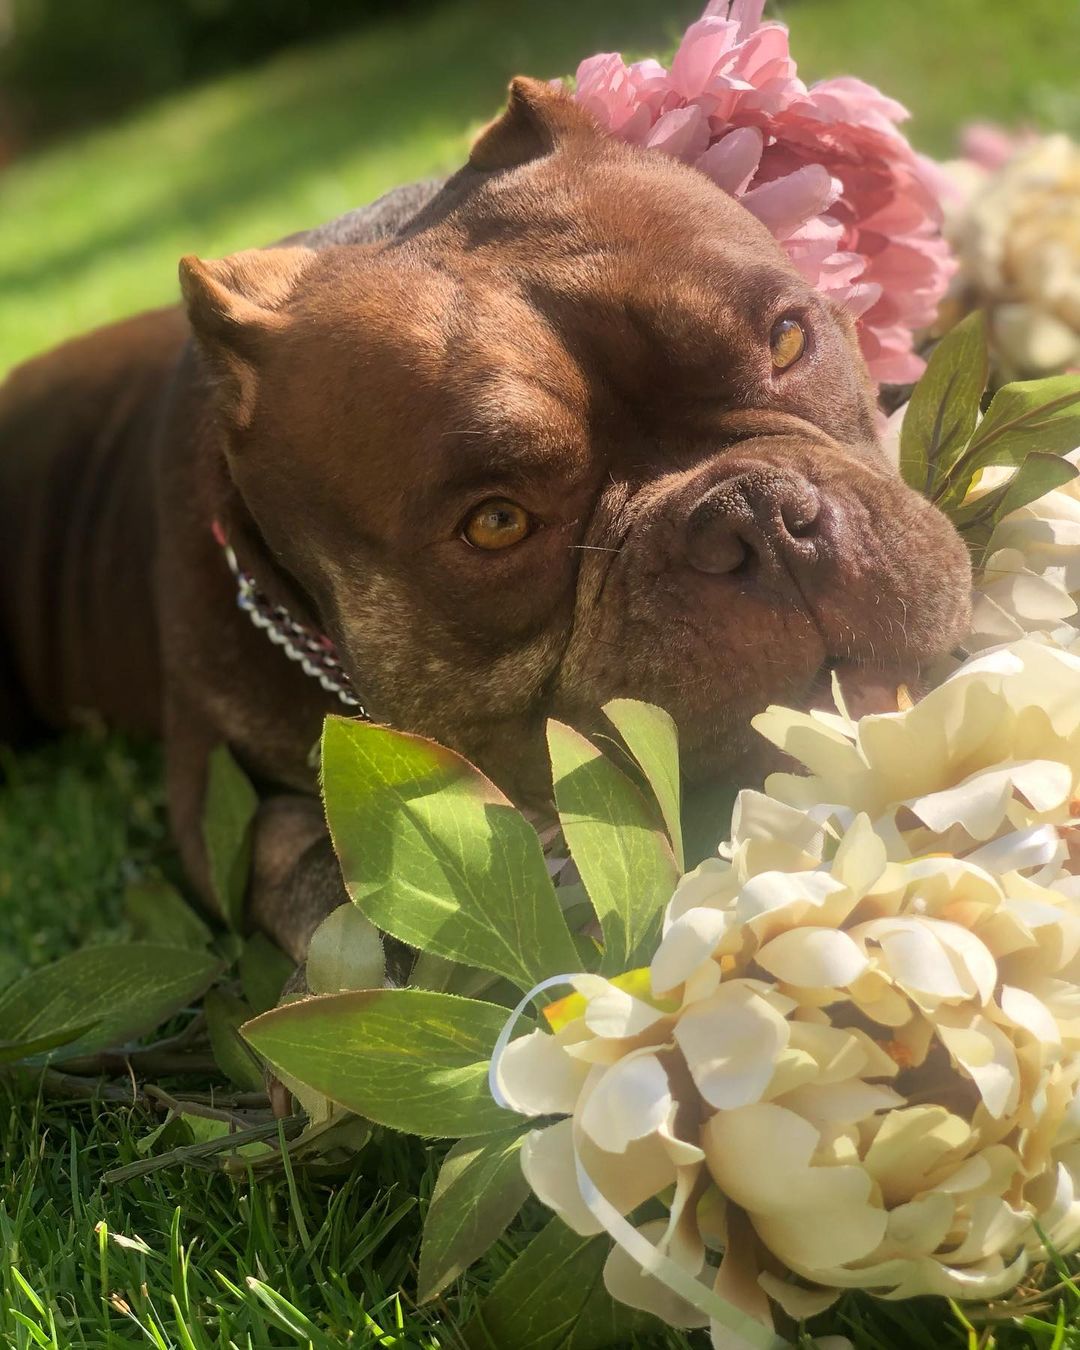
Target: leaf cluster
[[947, 443], [433, 854]]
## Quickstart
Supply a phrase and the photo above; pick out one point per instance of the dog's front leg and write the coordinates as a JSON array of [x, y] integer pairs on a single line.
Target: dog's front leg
[[295, 877], [295, 880]]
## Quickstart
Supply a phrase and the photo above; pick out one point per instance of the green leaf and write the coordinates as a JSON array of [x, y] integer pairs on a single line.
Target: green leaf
[[225, 1015], [1030, 415], [263, 970], [159, 913], [553, 1298], [944, 405], [1038, 475], [228, 815], [407, 1058], [11, 968], [117, 991], [12, 1051], [435, 855], [345, 952], [479, 1189], [433, 972], [652, 738], [622, 855], [281, 1313]]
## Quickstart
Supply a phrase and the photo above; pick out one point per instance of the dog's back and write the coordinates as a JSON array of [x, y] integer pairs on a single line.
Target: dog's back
[[77, 622]]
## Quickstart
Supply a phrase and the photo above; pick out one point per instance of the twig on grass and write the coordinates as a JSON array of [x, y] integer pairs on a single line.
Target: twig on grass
[[187, 1107], [67, 1087], [197, 1153], [186, 1052]]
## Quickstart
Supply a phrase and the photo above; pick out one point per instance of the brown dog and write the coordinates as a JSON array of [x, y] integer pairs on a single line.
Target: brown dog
[[575, 430]]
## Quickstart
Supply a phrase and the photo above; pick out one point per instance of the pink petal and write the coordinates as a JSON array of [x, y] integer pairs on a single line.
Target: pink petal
[[989, 145], [858, 100], [841, 268], [786, 203], [684, 133], [649, 80], [896, 363], [733, 160], [595, 73], [747, 14], [860, 297], [759, 51], [703, 47], [899, 215]]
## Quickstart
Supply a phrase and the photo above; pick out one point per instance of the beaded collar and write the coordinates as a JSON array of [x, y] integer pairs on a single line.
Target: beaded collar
[[313, 651]]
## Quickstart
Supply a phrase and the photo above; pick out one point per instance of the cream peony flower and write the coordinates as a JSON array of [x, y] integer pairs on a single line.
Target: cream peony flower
[[1017, 236], [854, 1061], [1030, 581]]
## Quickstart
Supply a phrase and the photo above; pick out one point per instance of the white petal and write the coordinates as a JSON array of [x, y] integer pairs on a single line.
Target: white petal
[[1038, 846], [757, 816], [841, 1052], [861, 857], [994, 1227], [971, 959], [772, 891], [911, 1143], [547, 1159], [978, 803], [816, 958], [626, 1180], [912, 956], [629, 1284], [824, 750], [629, 1100], [919, 1227], [613, 1012], [760, 1157], [689, 941], [1029, 1012], [825, 1104], [844, 1226], [737, 1278], [986, 1055], [730, 1043], [538, 1077], [711, 884], [797, 1302]]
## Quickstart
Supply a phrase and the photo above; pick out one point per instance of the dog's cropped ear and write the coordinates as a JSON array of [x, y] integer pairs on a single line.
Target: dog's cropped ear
[[538, 117], [234, 305]]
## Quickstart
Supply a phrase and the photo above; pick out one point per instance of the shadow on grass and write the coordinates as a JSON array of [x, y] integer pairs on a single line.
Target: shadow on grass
[[395, 84]]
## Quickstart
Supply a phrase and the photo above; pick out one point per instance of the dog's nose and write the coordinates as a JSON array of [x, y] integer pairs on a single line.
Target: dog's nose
[[756, 515]]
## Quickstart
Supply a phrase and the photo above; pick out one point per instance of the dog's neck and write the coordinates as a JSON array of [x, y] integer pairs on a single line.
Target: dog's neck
[[313, 651]]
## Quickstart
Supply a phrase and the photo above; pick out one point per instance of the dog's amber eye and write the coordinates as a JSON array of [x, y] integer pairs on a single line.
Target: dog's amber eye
[[497, 524], [787, 342]]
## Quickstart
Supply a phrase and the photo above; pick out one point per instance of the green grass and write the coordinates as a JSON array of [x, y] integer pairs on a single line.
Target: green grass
[[92, 229]]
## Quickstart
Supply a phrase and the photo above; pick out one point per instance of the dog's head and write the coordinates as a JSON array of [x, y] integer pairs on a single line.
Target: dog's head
[[580, 431]]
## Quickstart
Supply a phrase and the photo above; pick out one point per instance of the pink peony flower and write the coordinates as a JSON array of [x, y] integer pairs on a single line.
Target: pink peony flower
[[826, 169], [991, 146]]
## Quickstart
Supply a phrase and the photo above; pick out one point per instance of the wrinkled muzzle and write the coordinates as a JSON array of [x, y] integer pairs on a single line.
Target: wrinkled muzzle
[[749, 578]]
